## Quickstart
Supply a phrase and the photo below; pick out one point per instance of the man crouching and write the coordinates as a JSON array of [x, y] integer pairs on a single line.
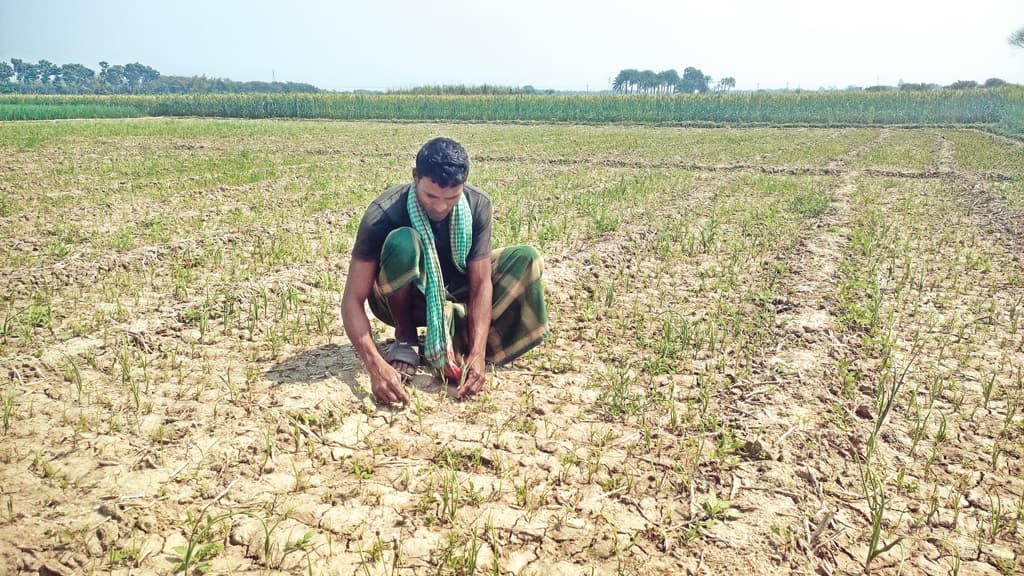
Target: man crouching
[[422, 257]]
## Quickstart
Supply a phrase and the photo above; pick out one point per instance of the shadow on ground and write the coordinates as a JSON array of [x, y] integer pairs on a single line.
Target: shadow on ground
[[318, 365], [315, 365], [333, 361]]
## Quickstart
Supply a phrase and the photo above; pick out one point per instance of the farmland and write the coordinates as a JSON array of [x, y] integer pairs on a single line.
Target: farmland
[[996, 109], [772, 350]]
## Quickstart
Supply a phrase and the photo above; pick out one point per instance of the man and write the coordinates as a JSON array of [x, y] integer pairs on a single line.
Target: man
[[422, 257]]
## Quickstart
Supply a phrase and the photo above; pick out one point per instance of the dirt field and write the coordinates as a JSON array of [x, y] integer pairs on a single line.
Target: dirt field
[[772, 351]]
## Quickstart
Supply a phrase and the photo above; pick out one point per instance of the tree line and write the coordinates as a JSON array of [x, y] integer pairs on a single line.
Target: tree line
[[45, 77], [958, 85], [633, 81]]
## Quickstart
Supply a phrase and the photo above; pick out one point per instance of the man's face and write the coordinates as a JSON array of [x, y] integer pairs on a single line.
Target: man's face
[[436, 201]]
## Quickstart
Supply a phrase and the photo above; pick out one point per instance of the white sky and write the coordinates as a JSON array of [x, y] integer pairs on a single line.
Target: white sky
[[565, 45]]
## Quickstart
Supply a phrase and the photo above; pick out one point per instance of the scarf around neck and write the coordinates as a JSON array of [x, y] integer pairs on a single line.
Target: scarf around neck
[[440, 319]]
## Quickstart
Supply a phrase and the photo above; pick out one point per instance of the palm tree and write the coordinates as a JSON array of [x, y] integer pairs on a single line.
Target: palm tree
[[627, 80], [667, 80], [621, 82], [727, 83], [648, 81]]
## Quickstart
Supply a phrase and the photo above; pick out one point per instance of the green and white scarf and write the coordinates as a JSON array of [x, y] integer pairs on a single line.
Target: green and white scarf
[[440, 320]]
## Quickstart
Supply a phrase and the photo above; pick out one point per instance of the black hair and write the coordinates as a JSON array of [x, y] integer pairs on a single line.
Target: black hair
[[444, 161]]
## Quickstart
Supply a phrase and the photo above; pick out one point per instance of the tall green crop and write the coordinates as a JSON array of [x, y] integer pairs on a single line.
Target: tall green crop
[[1003, 108]]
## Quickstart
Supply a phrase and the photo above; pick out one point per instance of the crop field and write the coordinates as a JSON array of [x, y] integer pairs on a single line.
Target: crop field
[[999, 109], [772, 351]]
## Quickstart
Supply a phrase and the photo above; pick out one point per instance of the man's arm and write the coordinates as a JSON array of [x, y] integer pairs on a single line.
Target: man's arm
[[385, 382], [478, 312]]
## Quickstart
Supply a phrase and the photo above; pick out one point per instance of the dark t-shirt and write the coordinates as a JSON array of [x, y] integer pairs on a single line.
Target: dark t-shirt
[[389, 211]]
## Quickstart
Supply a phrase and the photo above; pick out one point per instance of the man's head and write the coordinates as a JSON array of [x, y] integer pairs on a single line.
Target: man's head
[[444, 161], [442, 167]]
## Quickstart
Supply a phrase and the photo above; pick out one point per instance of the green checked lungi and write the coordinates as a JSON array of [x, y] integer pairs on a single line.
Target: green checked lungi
[[519, 316]]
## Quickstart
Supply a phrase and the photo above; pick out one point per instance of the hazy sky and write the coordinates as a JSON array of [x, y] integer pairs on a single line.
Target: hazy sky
[[565, 45]]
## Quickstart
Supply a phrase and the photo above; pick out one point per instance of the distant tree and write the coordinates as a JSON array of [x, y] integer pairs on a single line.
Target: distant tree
[[648, 81], [104, 66], [46, 77], [626, 80], [994, 83], [113, 76], [133, 74], [75, 77], [963, 85], [636, 80], [26, 71], [726, 84], [136, 74], [693, 80], [1017, 38], [48, 71], [667, 80], [34, 72], [20, 68], [631, 80]]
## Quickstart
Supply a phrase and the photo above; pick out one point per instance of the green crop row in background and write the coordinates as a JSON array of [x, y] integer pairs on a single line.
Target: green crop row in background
[[1001, 108]]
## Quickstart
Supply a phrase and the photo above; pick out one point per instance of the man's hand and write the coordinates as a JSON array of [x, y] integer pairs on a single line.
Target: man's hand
[[387, 385], [474, 376], [385, 381], [479, 322]]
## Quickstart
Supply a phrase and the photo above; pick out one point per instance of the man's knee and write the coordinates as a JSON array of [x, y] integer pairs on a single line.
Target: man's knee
[[522, 258], [401, 249], [399, 260]]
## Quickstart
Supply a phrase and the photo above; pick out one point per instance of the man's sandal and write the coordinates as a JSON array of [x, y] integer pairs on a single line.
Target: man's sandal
[[403, 353]]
